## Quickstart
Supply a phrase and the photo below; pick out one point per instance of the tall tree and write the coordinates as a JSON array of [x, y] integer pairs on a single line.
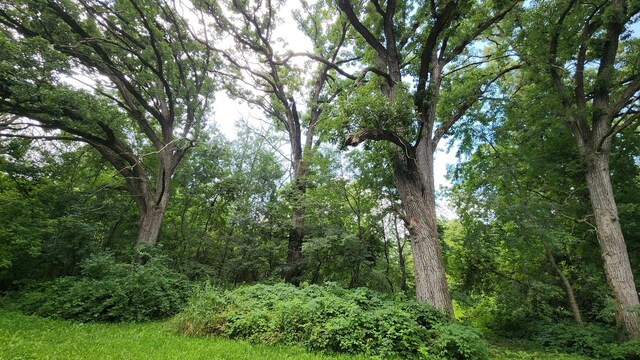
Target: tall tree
[[536, 224], [149, 79], [430, 42], [265, 75], [589, 59]]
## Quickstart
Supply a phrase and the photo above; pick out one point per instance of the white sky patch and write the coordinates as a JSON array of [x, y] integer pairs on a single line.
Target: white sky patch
[[228, 111]]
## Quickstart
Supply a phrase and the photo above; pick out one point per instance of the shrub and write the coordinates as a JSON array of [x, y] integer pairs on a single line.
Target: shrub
[[109, 291], [590, 339], [329, 318]]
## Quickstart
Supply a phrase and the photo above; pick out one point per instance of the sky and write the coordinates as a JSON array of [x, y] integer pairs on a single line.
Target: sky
[[227, 111]]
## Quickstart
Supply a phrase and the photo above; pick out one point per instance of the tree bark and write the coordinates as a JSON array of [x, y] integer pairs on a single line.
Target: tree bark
[[418, 198], [150, 223], [614, 251], [152, 205]]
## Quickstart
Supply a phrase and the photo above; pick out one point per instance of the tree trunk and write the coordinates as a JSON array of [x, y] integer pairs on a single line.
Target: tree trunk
[[614, 251], [418, 198], [152, 207], [387, 257], [149, 224], [567, 287]]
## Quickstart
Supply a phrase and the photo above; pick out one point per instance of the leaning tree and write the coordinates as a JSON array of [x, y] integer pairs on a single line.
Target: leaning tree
[[123, 76]]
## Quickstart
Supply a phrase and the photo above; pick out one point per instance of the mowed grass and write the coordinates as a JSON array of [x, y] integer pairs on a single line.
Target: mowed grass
[[30, 337]]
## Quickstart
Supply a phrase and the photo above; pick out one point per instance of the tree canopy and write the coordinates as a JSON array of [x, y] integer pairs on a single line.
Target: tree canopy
[[108, 152]]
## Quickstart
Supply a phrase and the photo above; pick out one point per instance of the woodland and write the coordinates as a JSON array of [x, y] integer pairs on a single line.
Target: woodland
[[318, 223]]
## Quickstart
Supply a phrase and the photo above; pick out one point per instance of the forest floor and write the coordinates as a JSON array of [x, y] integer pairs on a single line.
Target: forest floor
[[30, 337]]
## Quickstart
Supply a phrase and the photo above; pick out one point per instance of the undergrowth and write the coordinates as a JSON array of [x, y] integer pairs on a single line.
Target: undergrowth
[[108, 291], [329, 318]]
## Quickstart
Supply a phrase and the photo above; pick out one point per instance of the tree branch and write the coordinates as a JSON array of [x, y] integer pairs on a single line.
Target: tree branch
[[347, 9], [363, 135], [444, 128]]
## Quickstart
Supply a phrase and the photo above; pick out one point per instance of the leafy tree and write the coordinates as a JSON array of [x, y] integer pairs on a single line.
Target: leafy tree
[[59, 206], [431, 42], [343, 231], [522, 233], [588, 61], [284, 91], [227, 221], [149, 80]]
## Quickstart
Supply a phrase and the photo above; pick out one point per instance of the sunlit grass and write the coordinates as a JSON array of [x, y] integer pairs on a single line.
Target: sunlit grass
[[30, 337]]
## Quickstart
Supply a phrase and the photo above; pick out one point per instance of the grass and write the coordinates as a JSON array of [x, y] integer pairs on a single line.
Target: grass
[[31, 337]]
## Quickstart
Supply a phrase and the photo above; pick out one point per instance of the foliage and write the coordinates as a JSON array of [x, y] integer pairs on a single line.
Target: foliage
[[58, 207], [30, 337], [109, 291], [330, 318], [226, 223], [144, 96], [590, 340]]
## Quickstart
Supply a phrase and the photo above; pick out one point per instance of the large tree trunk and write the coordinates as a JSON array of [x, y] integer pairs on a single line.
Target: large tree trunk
[[417, 191], [150, 223], [153, 206], [614, 251]]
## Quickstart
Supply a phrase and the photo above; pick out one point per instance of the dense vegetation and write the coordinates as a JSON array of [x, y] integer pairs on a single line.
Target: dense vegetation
[[107, 291], [330, 319], [121, 202]]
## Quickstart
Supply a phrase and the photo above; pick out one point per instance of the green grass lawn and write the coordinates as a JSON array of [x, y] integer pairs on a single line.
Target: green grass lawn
[[31, 337]]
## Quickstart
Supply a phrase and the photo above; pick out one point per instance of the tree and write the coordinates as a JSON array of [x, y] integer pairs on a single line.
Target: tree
[[589, 59], [265, 75], [429, 41], [523, 232], [150, 87]]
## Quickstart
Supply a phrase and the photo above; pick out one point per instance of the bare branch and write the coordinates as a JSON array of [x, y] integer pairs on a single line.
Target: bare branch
[[43, 137], [442, 22]]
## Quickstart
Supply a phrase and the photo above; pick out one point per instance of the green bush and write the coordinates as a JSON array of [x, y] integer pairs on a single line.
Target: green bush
[[330, 318], [109, 291]]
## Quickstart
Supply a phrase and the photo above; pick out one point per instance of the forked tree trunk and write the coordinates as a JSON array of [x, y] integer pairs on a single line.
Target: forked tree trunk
[[417, 191], [614, 251], [149, 224], [153, 206]]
